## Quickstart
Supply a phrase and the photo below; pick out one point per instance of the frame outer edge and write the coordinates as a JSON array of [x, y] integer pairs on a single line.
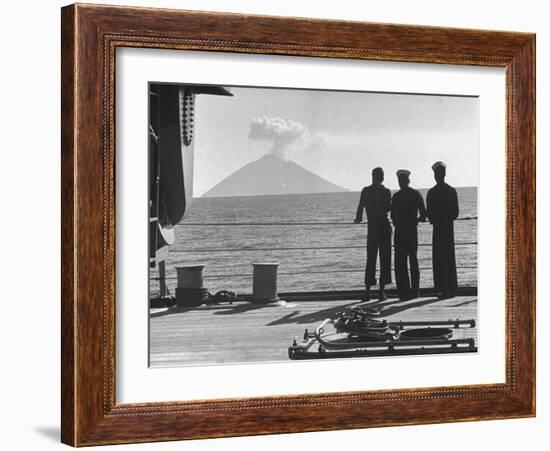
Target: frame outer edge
[[524, 64], [534, 225], [89, 337], [86, 418], [68, 226]]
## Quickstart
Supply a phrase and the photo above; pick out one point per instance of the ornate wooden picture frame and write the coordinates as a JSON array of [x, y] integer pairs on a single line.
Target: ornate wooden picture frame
[[90, 37]]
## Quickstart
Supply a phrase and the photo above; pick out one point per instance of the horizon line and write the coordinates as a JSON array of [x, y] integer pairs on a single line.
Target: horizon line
[[323, 192]]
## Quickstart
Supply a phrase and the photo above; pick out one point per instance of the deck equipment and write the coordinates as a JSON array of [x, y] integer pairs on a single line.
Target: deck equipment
[[359, 332]]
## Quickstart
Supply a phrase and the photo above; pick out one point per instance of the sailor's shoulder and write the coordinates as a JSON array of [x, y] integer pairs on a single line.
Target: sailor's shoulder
[[449, 188], [372, 188], [416, 192]]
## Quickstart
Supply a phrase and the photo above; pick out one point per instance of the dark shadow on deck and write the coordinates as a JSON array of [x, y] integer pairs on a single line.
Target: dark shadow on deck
[[243, 308], [400, 306], [388, 309], [462, 304], [170, 311], [319, 315], [175, 310]]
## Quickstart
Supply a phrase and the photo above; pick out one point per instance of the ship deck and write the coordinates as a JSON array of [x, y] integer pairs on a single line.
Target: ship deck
[[244, 332]]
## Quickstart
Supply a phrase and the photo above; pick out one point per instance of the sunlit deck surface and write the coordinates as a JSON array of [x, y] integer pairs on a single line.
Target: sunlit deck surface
[[244, 332]]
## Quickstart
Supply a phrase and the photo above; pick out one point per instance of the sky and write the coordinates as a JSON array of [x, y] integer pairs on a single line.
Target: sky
[[339, 135]]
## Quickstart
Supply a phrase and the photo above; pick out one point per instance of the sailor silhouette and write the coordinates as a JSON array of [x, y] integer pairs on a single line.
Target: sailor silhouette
[[442, 209], [407, 209], [375, 200]]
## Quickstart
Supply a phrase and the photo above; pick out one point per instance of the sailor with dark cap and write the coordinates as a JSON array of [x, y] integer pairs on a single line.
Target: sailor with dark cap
[[376, 202], [442, 209], [407, 208]]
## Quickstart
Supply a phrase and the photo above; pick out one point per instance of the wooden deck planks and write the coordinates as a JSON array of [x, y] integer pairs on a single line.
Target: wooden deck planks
[[245, 332]]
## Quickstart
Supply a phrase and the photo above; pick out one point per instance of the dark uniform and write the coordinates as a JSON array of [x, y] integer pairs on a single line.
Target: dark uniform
[[407, 205], [376, 201], [442, 209]]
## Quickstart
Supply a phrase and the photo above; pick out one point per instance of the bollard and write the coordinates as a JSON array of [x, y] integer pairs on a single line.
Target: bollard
[[190, 290], [264, 286], [190, 277]]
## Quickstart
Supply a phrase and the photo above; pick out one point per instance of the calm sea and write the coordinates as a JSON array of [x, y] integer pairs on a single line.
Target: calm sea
[[330, 255]]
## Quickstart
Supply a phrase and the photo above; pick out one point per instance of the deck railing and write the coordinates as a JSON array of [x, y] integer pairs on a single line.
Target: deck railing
[[237, 250]]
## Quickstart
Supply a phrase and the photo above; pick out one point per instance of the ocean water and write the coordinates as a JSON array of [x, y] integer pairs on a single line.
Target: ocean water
[[228, 234]]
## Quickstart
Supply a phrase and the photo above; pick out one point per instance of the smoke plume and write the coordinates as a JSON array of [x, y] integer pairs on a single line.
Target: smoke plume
[[282, 133]]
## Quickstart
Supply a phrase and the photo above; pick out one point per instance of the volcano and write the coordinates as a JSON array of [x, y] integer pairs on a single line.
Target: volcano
[[272, 175]]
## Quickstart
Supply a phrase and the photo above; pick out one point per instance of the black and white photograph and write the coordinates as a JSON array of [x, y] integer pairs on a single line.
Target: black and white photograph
[[297, 224], [275, 226]]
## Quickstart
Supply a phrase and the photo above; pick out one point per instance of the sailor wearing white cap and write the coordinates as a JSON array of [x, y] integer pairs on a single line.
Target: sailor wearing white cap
[[406, 210], [442, 208]]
